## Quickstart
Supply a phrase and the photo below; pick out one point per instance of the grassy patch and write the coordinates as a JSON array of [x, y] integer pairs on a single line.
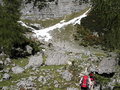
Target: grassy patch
[[44, 23], [85, 56], [25, 74], [44, 58], [73, 15], [21, 61], [6, 83], [100, 54], [15, 78], [51, 88], [54, 67], [102, 80], [65, 33]]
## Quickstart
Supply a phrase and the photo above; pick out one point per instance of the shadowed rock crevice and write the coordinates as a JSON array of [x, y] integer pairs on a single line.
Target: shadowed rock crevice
[[110, 75]]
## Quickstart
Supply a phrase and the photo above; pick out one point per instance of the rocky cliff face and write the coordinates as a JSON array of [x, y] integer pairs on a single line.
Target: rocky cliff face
[[36, 9]]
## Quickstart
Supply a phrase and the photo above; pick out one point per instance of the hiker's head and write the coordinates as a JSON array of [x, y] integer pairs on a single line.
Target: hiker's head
[[81, 74], [91, 74]]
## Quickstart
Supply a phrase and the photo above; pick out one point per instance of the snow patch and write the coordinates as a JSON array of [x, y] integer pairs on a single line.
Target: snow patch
[[44, 33]]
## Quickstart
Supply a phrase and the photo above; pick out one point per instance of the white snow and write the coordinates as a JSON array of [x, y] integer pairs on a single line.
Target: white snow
[[44, 33], [23, 24]]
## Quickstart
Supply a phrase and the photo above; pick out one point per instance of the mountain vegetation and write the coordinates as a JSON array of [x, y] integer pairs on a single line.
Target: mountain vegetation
[[11, 32], [62, 62], [104, 18]]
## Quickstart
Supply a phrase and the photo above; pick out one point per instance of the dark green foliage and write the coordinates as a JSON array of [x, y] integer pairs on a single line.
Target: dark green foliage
[[105, 19], [11, 32], [102, 80], [86, 36]]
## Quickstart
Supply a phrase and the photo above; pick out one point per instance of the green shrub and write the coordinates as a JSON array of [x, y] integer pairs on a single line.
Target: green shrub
[[86, 36], [102, 80], [11, 32], [104, 18]]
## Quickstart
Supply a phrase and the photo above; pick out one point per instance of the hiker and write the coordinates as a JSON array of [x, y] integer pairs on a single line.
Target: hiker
[[85, 82], [92, 78]]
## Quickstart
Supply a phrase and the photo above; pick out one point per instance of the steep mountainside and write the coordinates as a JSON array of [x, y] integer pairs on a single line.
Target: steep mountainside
[[60, 51], [42, 9]]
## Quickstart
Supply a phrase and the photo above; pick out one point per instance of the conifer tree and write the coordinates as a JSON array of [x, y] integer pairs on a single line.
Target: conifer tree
[[11, 32], [105, 19]]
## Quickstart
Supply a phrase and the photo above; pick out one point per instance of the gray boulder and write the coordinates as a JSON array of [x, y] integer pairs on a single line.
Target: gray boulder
[[107, 65], [5, 88], [26, 84], [1, 65], [1, 62], [56, 58], [17, 69], [29, 49], [35, 61], [7, 61], [66, 75], [6, 76]]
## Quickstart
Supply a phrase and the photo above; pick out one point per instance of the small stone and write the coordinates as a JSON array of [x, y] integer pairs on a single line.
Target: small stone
[[56, 85], [8, 60], [1, 62], [32, 78], [6, 70], [6, 76], [29, 49], [42, 80]]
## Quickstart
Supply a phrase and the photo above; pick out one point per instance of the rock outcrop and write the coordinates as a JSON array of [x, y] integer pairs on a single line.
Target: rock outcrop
[[56, 58], [17, 69], [107, 65], [35, 61], [51, 9]]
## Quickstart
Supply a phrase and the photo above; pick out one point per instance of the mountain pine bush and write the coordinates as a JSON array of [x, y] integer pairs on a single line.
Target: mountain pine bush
[[104, 18], [11, 32]]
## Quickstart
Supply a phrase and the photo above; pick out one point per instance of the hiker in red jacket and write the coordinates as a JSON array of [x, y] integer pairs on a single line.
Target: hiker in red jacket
[[85, 82]]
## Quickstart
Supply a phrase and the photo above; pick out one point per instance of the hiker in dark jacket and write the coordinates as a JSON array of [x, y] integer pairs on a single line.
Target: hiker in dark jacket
[[92, 78]]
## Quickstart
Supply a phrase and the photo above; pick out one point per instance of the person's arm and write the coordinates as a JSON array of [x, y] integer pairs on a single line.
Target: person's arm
[[80, 81], [90, 82]]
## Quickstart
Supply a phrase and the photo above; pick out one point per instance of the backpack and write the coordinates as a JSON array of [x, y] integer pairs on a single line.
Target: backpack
[[84, 81]]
